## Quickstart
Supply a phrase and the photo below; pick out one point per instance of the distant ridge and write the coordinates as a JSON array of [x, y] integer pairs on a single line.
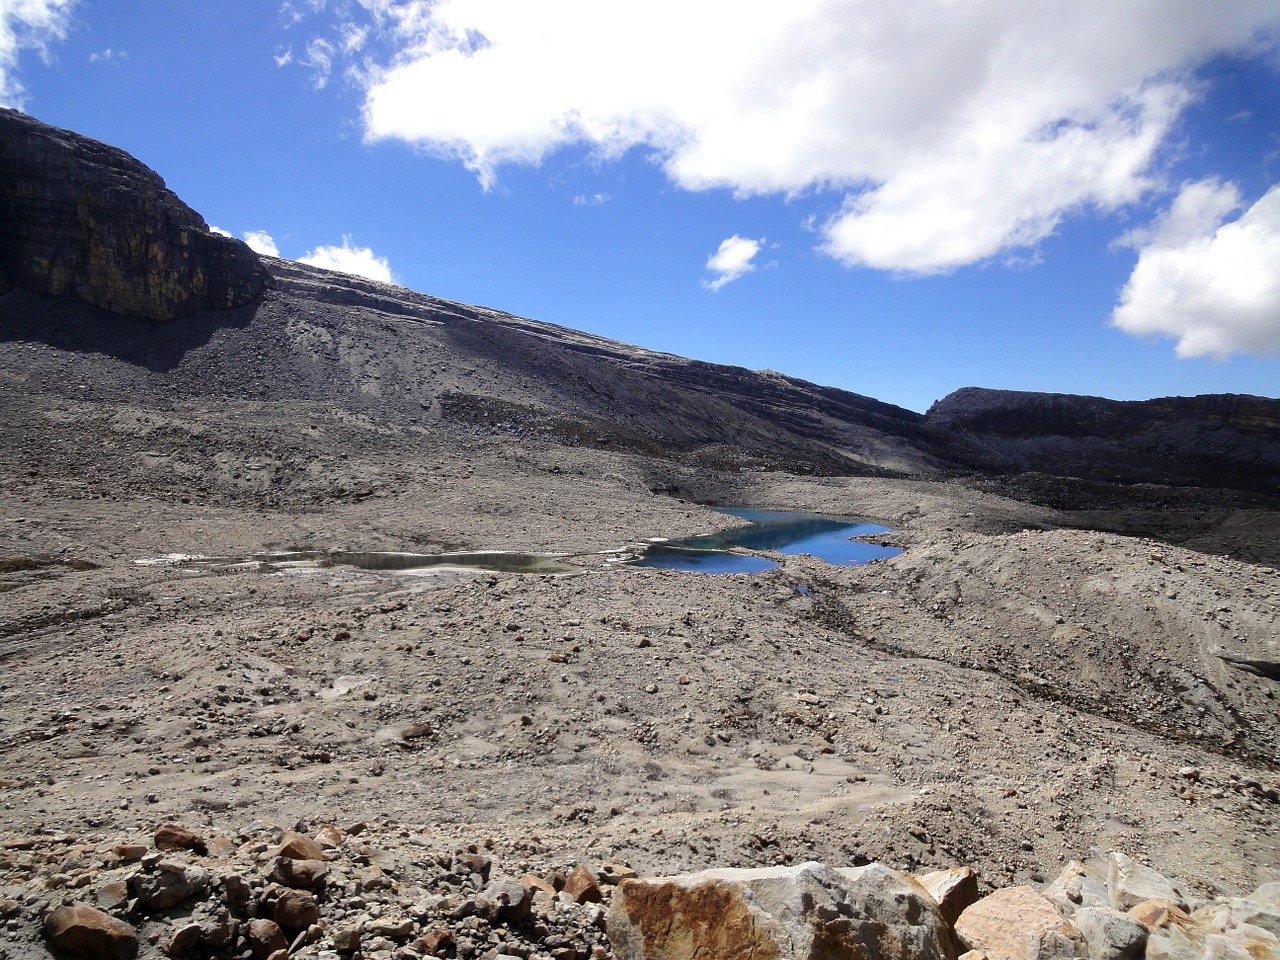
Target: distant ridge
[[87, 228]]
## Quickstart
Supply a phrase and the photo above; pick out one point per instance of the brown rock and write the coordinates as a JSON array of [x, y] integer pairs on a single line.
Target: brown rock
[[265, 938], [329, 837], [438, 942], [1157, 913], [297, 847], [300, 874], [532, 881], [184, 940], [614, 873], [114, 893], [346, 939], [582, 886], [782, 913], [171, 836], [393, 928], [953, 890], [296, 910], [1016, 923], [129, 852], [87, 932]]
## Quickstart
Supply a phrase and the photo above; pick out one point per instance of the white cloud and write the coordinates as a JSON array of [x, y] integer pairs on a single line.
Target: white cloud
[[28, 25], [219, 231], [732, 260], [1214, 285], [319, 57], [261, 242], [951, 132], [591, 199], [360, 261], [109, 55]]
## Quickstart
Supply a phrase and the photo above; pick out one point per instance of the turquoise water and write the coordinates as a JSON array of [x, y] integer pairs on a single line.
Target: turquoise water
[[828, 538]]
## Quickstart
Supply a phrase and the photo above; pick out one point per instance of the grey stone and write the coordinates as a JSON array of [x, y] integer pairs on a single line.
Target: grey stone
[[1131, 882], [168, 884], [1110, 935]]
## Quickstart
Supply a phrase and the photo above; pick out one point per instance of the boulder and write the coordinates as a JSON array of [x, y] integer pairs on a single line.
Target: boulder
[[82, 219], [780, 913], [1017, 923], [1131, 882], [171, 836], [297, 847], [1110, 935], [295, 910], [1079, 885], [505, 901], [87, 932], [614, 873], [265, 938], [168, 884], [299, 874], [1212, 931], [184, 939], [953, 890], [581, 885]]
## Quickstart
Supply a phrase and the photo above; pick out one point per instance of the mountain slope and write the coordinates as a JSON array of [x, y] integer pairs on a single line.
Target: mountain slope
[[87, 227]]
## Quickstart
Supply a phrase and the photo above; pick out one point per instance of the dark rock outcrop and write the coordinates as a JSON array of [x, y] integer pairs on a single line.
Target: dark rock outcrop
[[83, 219], [1220, 440]]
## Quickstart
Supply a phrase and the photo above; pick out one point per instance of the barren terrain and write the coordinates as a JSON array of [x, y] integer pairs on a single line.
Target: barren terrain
[[1076, 652]]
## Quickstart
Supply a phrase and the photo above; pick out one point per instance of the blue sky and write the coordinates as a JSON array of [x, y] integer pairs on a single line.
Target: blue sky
[[897, 199]]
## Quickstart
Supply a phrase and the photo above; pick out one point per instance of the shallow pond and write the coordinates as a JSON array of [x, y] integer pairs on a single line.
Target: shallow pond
[[829, 538], [497, 561]]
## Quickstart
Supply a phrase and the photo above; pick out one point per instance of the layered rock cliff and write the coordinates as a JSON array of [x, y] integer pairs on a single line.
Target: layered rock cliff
[[1225, 440], [83, 219]]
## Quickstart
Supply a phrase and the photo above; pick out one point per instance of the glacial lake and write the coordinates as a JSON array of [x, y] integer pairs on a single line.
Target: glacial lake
[[829, 538]]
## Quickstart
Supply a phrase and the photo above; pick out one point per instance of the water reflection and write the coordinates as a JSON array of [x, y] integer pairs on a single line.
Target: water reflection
[[828, 538], [486, 560]]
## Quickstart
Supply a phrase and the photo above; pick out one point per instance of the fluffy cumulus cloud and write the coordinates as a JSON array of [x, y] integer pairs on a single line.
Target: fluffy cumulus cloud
[[261, 242], [360, 261], [732, 260], [935, 134], [1212, 283], [28, 25]]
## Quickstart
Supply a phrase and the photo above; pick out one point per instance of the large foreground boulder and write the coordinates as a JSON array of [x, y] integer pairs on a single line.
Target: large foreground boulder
[[87, 932], [806, 912], [83, 219]]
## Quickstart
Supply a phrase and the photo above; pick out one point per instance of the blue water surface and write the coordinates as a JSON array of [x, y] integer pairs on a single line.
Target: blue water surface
[[826, 537]]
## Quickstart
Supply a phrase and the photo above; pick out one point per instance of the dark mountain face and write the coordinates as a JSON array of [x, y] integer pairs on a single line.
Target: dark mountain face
[[1222, 440], [83, 219], [88, 229]]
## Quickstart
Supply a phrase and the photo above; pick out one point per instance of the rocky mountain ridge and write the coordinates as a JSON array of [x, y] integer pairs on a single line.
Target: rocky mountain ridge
[[88, 222]]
